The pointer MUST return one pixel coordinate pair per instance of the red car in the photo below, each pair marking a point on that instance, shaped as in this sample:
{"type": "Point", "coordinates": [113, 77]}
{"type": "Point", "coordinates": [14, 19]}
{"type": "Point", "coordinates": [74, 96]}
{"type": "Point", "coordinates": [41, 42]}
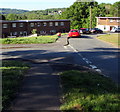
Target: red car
{"type": "Point", "coordinates": [74, 33]}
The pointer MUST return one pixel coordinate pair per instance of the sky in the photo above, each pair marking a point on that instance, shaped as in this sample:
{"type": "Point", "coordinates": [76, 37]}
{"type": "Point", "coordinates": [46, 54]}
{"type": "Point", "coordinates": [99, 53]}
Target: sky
{"type": "Point", "coordinates": [42, 4]}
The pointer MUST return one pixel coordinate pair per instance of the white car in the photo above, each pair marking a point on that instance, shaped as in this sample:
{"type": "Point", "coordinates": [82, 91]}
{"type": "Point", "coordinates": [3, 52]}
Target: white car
{"type": "Point", "coordinates": [114, 29]}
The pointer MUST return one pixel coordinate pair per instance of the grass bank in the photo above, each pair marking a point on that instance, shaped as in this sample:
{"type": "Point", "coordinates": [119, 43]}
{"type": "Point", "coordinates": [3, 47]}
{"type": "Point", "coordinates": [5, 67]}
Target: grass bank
{"type": "Point", "coordinates": [111, 38]}
{"type": "Point", "coordinates": [30, 40]}
{"type": "Point", "coordinates": [12, 75]}
{"type": "Point", "coordinates": [88, 92]}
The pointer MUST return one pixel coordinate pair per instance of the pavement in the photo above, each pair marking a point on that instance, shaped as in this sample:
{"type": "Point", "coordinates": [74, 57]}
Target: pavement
{"type": "Point", "coordinates": [40, 90]}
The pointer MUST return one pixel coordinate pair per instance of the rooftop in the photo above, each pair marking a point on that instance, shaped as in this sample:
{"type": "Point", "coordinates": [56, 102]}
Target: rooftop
{"type": "Point", "coordinates": [35, 20]}
{"type": "Point", "coordinates": [109, 17]}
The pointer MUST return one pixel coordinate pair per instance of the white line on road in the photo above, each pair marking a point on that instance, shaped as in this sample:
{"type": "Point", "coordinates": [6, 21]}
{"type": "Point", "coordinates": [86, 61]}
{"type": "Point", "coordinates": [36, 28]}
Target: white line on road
{"type": "Point", "coordinates": [85, 59]}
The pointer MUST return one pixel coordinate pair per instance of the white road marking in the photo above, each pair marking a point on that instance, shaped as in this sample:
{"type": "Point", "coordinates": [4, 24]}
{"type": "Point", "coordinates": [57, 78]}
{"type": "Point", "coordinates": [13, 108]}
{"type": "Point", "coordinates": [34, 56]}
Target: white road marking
{"type": "Point", "coordinates": [85, 59]}
{"type": "Point", "coordinates": [93, 66]}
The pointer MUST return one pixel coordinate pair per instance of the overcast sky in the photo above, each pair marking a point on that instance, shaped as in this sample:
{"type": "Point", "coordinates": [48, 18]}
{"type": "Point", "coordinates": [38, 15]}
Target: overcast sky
{"type": "Point", "coordinates": [42, 4]}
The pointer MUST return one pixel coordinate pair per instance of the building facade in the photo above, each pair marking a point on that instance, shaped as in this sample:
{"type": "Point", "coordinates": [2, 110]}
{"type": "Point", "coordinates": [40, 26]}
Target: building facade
{"type": "Point", "coordinates": [107, 23]}
{"type": "Point", "coordinates": [25, 27]}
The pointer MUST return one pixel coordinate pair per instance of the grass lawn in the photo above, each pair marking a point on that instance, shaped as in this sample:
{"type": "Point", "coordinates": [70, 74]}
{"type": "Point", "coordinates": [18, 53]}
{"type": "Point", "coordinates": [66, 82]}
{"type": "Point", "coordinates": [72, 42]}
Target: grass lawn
{"type": "Point", "coordinates": [88, 92]}
{"type": "Point", "coordinates": [30, 40]}
{"type": "Point", "coordinates": [12, 75]}
{"type": "Point", "coordinates": [111, 38]}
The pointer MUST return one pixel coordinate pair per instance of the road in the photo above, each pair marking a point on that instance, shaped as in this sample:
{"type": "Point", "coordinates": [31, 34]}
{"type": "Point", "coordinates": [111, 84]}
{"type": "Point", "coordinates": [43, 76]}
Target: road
{"type": "Point", "coordinates": [85, 51]}
{"type": "Point", "coordinates": [98, 55]}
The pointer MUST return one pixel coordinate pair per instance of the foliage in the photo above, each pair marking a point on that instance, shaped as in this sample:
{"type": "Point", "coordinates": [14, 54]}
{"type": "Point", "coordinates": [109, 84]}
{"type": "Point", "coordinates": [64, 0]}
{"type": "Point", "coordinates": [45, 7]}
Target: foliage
{"type": "Point", "coordinates": [12, 11]}
{"type": "Point", "coordinates": [115, 10]}
{"type": "Point", "coordinates": [12, 17]}
{"type": "Point", "coordinates": [34, 31]}
{"type": "Point", "coordinates": [88, 92]}
{"type": "Point", "coordinates": [12, 74]}
{"type": "Point", "coordinates": [2, 17]}
{"type": "Point", "coordinates": [29, 40]}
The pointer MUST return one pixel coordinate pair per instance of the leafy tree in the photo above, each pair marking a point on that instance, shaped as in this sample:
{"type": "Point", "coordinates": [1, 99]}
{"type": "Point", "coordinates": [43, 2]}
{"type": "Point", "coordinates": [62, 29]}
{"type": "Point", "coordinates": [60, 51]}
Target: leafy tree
{"type": "Point", "coordinates": [115, 9]}
{"type": "Point", "coordinates": [2, 17]}
{"type": "Point", "coordinates": [12, 17]}
{"type": "Point", "coordinates": [79, 13]}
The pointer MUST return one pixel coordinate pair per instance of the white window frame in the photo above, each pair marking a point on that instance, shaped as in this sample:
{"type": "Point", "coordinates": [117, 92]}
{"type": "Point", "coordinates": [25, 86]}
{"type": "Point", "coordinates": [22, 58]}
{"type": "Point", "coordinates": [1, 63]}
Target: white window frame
{"type": "Point", "coordinates": [21, 32]}
{"type": "Point", "coordinates": [44, 23]}
{"type": "Point", "coordinates": [5, 25]}
{"type": "Point", "coordinates": [118, 20]}
{"type": "Point", "coordinates": [32, 24]}
{"type": "Point", "coordinates": [50, 23]}
{"type": "Point", "coordinates": [111, 20]}
{"type": "Point", "coordinates": [14, 33]}
{"type": "Point", "coordinates": [56, 24]}
{"type": "Point", "coordinates": [38, 24]}
{"type": "Point", "coordinates": [61, 23]}
{"type": "Point", "coordinates": [14, 25]}
{"type": "Point", "coordinates": [21, 25]}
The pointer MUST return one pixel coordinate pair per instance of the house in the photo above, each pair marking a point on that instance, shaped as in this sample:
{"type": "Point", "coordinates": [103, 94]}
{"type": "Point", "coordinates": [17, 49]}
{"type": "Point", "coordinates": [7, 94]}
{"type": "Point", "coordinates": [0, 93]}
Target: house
{"type": "Point", "coordinates": [24, 27]}
{"type": "Point", "coordinates": [107, 23]}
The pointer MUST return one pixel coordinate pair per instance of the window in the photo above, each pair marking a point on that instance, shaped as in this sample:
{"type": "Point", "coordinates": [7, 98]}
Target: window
{"type": "Point", "coordinates": [31, 24]}
{"type": "Point", "coordinates": [52, 31]}
{"type": "Point", "coordinates": [42, 32]}
{"type": "Point", "coordinates": [5, 25]}
{"type": "Point", "coordinates": [14, 33]}
{"type": "Point", "coordinates": [21, 33]}
{"type": "Point", "coordinates": [13, 25]}
{"type": "Point", "coordinates": [62, 23]}
{"type": "Point", "coordinates": [118, 20]}
{"type": "Point", "coordinates": [51, 24]}
{"type": "Point", "coordinates": [21, 24]}
{"type": "Point", "coordinates": [44, 24]}
{"type": "Point", "coordinates": [38, 24]}
{"type": "Point", "coordinates": [56, 23]}
{"type": "Point", "coordinates": [111, 20]}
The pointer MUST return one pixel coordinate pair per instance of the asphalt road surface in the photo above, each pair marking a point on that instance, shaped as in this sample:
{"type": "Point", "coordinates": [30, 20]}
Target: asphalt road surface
{"type": "Point", "coordinates": [101, 56]}
{"type": "Point", "coordinates": [85, 51]}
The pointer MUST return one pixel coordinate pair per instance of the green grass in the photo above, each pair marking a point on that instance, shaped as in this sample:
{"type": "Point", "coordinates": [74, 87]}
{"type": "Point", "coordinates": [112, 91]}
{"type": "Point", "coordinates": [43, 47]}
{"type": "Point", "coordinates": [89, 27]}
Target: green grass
{"type": "Point", "coordinates": [30, 40]}
{"type": "Point", "coordinates": [88, 92]}
{"type": "Point", "coordinates": [111, 38]}
{"type": "Point", "coordinates": [12, 75]}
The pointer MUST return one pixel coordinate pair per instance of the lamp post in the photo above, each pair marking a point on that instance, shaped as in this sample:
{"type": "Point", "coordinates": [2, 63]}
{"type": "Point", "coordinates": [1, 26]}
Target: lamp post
{"type": "Point", "coordinates": [90, 18]}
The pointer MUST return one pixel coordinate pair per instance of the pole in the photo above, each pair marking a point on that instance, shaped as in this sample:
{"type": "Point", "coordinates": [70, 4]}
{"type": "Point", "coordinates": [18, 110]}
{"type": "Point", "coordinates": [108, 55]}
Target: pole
{"type": "Point", "coordinates": [90, 18]}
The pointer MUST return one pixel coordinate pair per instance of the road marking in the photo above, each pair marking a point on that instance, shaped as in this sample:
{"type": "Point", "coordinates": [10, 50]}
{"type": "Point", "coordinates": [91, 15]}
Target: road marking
{"type": "Point", "coordinates": [65, 47]}
{"type": "Point", "coordinates": [85, 59]}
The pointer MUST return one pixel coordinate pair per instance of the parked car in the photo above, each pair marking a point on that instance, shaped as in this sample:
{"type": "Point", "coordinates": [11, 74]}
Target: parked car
{"type": "Point", "coordinates": [85, 30]}
{"type": "Point", "coordinates": [96, 30]}
{"type": "Point", "coordinates": [114, 29]}
{"type": "Point", "coordinates": [74, 33]}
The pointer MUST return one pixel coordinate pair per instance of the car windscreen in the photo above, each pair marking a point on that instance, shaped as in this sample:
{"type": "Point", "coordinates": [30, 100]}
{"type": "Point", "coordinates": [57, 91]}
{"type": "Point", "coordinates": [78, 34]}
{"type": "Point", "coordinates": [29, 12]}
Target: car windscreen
{"type": "Point", "coordinates": [74, 31]}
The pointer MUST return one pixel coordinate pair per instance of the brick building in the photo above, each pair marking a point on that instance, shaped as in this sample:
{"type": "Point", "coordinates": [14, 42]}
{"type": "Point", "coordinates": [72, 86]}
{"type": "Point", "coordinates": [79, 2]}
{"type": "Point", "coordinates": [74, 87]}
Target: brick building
{"type": "Point", "coordinates": [107, 23]}
{"type": "Point", "coordinates": [25, 27]}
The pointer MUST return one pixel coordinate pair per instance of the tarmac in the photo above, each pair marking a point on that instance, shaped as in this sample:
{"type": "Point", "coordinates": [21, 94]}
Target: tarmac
{"type": "Point", "coordinates": [40, 91]}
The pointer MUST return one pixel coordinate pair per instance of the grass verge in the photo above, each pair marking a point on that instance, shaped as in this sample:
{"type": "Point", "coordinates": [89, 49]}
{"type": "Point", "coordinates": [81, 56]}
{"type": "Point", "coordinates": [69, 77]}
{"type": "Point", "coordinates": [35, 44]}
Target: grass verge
{"type": "Point", "coordinates": [88, 92]}
{"type": "Point", "coordinates": [12, 75]}
{"type": "Point", "coordinates": [111, 38]}
{"type": "Point", "coordinates": [29, 40]}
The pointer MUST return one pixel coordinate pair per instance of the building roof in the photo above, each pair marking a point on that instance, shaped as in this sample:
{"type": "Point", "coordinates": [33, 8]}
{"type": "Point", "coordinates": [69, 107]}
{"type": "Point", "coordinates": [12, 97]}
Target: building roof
{"type": "Point", "coordinates": [109, 17]}
{"type": "Point", "coordinates": [35, 20]}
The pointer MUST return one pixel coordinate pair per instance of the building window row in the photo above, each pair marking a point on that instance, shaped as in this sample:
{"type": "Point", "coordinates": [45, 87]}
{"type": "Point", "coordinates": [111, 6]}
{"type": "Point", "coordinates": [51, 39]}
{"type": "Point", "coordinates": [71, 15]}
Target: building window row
{"type": "Point", "coordinates": [14, 25]}
{"type": "Point", "coordinates": [45, 24]}
{"type": "Point", "coordinates": [112, 20]}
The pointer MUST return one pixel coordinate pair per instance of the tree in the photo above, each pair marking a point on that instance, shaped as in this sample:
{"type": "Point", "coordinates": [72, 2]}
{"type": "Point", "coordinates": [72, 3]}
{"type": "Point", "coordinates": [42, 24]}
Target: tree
{"type": "Point", "coordinates": [2, 17]}
{"type": "Point", "coordinates": [12, 17]}
{"type": "Point", "coordinates": [79, 13]}
{"type": "Point", "coordinates": [115, 9]}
